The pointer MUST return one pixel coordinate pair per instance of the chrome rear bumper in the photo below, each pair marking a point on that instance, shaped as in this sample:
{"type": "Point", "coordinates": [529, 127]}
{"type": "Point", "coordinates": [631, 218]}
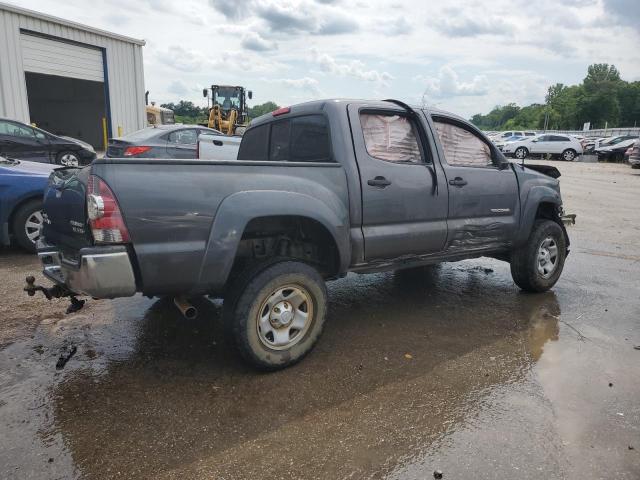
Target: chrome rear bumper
{"type": "Point", "coordinates": [100, 272]}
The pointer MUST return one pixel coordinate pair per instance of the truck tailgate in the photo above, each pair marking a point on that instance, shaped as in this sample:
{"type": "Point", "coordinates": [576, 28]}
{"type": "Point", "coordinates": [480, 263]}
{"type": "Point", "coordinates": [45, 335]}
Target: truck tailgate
{"type": "Point", "coordinates": [65, 215]}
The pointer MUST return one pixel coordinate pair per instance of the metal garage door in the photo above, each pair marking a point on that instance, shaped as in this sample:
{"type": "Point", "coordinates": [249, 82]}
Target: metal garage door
{"type": "Point", "coordinates": [51, 57]}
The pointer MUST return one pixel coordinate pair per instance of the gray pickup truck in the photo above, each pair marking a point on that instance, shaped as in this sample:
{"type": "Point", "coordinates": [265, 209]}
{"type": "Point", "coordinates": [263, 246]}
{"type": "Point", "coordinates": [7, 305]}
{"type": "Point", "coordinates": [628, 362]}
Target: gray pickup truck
{"type": "Point", "coordinates": [318, 190]}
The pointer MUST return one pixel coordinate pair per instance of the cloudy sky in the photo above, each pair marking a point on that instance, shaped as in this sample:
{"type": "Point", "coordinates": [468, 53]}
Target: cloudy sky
{"type": "Point", "coordinates": [463, 56]}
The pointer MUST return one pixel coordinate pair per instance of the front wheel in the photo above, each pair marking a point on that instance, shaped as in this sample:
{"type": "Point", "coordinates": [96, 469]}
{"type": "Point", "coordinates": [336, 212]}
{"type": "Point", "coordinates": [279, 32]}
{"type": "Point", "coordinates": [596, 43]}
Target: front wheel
{"type": "Point", "coordinates": [521, 153]}
{"type": "Point", "coordinates": [277, 315]}
{"type": "Point", "coordinates": [27, 223]}
{"type": "Point", "coordinates": [569, 155]}
{"type": "Point", "coordinates": [536, 266]}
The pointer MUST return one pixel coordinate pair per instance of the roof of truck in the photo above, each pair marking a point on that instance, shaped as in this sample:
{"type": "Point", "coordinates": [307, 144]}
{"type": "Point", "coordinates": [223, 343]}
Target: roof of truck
{"type": "Point", "coordinates": [319, 105]}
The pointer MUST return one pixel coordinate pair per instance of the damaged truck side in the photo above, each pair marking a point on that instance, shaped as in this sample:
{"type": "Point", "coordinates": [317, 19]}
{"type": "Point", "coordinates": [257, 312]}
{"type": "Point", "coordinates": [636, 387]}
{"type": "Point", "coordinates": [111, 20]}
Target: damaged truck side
{"type": "Point", "coordinates": [318, 190]}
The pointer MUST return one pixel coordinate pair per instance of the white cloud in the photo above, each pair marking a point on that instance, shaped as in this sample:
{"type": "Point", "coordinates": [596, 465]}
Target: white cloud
{"type": "Point", "coordinates": [352, 68]}
{"type": "Point", "coordinates": [253, 41]}
{"type": "Point", "coordinates": [448, 84]}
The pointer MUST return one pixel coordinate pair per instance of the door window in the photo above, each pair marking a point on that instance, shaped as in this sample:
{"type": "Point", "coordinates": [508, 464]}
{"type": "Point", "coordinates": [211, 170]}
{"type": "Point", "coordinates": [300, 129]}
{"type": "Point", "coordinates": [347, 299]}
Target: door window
{"type": "Point", "coordinates": [462, 147]}
{"type": "Point", "coordinates": [391, 137]}
{"type": "Point", "coordinates": [183, 137]}
{"type": "Point", "coordinates": [15, 130]}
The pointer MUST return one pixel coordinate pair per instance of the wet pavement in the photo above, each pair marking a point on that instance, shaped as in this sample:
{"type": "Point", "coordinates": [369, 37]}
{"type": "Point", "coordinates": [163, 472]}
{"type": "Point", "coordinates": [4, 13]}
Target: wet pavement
{"type": "Point", "coordinates": [452, 369]}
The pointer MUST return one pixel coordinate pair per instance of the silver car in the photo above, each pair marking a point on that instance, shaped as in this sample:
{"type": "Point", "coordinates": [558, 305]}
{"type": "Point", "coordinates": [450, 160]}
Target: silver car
{"type": "Point", "coordinates": [161, 141]}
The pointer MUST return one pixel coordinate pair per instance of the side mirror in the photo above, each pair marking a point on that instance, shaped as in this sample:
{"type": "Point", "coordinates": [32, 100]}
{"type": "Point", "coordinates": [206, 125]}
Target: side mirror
{"type": "Point", "coordinates": [205, 92]}
{"type": "Point", "coordinates": [535, 140]}
{"type": "Point", "coordinates": [250, 94]}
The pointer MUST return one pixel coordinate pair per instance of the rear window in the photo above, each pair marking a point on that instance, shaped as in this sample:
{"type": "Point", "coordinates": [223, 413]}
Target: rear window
{"type": "Point", "coordinates": [298, 139]}
{"type": "Point", "coordinates": [255, 144]}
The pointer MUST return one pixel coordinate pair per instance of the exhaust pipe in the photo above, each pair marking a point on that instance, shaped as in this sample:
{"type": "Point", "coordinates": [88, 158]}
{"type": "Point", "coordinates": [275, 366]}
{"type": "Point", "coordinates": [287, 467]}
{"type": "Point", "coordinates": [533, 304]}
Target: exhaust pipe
{"type": "Point", "coordinates": [188, 311]}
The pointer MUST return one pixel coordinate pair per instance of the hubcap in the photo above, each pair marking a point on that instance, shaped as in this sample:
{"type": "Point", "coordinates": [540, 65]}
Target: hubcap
{"type": "Point", "coordinates": [32, 226]}
{"type": "Point", "coordinates": [69, 160]}
{"type": "Point", "coordinates": [284, 317]}
{"type": "Point", "coordinates": [547, 257]}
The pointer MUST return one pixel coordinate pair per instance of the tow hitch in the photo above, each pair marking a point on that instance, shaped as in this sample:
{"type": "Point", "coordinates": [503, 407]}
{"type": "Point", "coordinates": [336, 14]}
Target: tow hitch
{"type": "Point", "coordinates": [57, 291]}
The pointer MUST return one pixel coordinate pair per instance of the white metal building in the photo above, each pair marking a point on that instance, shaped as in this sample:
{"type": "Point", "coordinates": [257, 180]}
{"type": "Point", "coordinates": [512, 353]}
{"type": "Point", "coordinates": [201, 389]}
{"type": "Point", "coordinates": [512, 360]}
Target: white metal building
{"type": "Point", "coordinates": [68, 78]}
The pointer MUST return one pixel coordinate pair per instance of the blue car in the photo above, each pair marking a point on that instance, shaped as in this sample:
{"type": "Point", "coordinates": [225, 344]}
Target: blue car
{"type": "Point", "coordinates": [22, 186]}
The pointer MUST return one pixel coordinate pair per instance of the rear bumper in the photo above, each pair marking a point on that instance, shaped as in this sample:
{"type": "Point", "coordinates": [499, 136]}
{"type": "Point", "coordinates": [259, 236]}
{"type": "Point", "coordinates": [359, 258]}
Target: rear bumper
{"type": "Point", "coordinates": [100, 272]}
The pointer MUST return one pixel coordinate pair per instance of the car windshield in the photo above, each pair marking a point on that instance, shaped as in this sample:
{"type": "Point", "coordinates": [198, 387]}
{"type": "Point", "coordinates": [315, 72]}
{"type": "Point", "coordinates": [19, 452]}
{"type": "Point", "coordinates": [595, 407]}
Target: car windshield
{"type": "Point", "coordinates": [228, 97]}
{"type": "Point", "coordinates": [9, 161]}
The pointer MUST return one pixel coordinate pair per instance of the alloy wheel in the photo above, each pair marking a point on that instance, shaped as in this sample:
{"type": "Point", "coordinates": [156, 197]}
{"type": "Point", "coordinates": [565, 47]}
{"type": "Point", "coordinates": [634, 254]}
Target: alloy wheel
{"type": "Point", "coordinates": [33, 225]}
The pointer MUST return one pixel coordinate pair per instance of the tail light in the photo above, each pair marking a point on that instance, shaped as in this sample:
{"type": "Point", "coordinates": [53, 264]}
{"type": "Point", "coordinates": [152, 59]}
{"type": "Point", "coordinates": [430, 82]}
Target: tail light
{"type": "Point", "coordinates": [105, 219]}
{"type": "Point", "coordinates": [134, 151]}
{"type": "Point", "coordinates": [280, 111]}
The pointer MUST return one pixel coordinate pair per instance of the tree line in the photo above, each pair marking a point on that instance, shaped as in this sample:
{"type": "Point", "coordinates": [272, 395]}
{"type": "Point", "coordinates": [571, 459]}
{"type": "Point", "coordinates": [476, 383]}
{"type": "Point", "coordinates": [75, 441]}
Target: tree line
{"type": "Point", "coordinates": [603, 99]}
{"type": "Point", "coordinates": [187, 112]}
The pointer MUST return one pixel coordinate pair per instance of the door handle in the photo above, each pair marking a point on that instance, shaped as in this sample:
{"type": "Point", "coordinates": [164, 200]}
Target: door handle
{"type": "Point", "coordinates": [379, 182]}
{"type": "Point", "coordinates": [217, 142]}
{"type": "Point", "coordinates": [458, 182]}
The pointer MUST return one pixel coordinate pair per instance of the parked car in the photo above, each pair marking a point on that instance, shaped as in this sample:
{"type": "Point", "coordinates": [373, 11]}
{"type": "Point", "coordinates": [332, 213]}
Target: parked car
{"type": "Point", "coordinates": [615, 150]}
{"type": "Point", "coordinates": [24, 142]}
{"type": "Point", "coordinates": [565, 147]}
{"type": "Point", "coordinates": [634, 156]}
{"type": "Point", "coordinates": [160, 141]}
{"type": "Point", "coordinates": [318, 190]}
{"type": "Point", "coordinates": [217, 147]}
{"type": "Point", "coordinates": [22, 185]}
{"type": "Point", "coordinates": [504, 135]}
{"type": "Point", "coordinates": [514, 138]}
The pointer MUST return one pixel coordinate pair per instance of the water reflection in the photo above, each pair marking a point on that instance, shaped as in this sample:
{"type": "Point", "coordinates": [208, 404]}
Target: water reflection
{"type": "Point", "coordinates": [403, 361]}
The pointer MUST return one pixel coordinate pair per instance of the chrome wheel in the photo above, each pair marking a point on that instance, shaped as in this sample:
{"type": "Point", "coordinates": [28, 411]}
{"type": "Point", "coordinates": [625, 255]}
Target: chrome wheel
{"type": "Point", "coordinates": [33, 225]}
{"type": "Point", "coordinates": [520, 153]}
{"type": "Point", "coordinates": [284, 317]}
{"type": "Point", "coordinates": [547, 257]}
{"type": "Point", "coordinates": [69, 160]}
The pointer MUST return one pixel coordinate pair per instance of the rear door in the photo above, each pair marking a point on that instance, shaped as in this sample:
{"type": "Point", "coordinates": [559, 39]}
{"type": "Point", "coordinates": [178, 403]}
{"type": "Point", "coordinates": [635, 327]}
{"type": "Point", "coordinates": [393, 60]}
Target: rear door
{"type": "Point", "coordinates": [403, 213]}
{"type": "Point", "coordinates": [483, 199]}
{"type": "Point", "coordinates": [542, 144]}
{"type": "Point", "coordinates": [182, 143]}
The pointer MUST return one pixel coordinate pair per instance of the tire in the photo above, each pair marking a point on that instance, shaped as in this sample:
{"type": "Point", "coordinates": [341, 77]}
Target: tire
{"type": "Point", "coordinates": [68, 159]}
{"type": "Point", "coordinates": [261, 314]}
{"type": "Point", "coordinates": [569, 155]}
{"type": "Point", "coordinates": [521, 153]}
{"type": "Point", "coordinates": [527, 269]}
{"type": "Point", "coordinates": [26, 224]}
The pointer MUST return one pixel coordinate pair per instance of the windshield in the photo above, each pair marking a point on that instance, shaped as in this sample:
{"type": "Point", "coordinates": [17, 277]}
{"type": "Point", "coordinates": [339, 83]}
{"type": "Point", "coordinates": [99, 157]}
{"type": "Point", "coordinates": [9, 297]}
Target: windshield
{"type": "Point", "coordinates": [9, 161]}
{"type": "Point", "coordinates": [167, 118]}
{"type": "Point", "coordinates": [228, 97]}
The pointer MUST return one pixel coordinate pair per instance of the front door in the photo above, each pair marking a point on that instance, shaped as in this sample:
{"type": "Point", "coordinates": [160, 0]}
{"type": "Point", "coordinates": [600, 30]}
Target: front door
{"type": "Point", "coordinates": [483, 199]}
{"type": "Point", "coordinates": [403, 213]}
{"type": "Point", "coordinates": [20, 141]}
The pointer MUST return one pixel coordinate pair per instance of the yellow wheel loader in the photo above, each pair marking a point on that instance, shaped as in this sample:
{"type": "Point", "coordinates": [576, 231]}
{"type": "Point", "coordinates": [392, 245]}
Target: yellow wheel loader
{"type": "Point", "coordinates": [228, 112]}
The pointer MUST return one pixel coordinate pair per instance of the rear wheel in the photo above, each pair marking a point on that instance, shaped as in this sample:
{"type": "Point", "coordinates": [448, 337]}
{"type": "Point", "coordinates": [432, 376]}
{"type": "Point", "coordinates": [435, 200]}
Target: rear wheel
{"type": "Point", "coordinates": [569, 155]}
{"type": "Point", "coordinates": [277, 315]}
{"type": "Point", "coordinates": [521, 153]}
{"type": "Point", "coordinates": [27, 222]}
{"type": "Point", "coordinates": [68, 159]}
{"type": "Point", "coordinates": [536, 266]}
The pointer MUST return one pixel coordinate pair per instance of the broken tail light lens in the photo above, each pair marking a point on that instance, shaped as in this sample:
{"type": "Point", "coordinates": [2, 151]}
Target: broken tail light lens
{"type": "Point", "coordinates": [135, 151]}
{"type": "Point", "coordinates": [105, 218]}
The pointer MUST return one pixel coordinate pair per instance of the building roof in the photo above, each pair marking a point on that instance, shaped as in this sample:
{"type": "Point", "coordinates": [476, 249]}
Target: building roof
{"type": "Point", "coordinates": [68, 23]}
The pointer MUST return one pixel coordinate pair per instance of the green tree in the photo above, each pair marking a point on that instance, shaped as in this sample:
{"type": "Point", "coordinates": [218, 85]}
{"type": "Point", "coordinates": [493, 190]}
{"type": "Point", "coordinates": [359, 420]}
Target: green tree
{"type": "Point", "coordinates": [261, 109]}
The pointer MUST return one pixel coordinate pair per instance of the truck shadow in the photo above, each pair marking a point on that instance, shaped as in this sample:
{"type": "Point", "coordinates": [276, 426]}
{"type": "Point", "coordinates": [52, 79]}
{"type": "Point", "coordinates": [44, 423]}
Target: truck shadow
{"type": "Point", "coordinates": [405, 356]}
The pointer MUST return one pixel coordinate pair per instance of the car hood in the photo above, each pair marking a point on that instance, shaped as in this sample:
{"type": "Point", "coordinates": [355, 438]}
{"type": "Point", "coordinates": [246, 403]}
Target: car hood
{"type": "Point", "coordinates": [32, 168]}
{"type": "Point", "coordinates": [84, 145]}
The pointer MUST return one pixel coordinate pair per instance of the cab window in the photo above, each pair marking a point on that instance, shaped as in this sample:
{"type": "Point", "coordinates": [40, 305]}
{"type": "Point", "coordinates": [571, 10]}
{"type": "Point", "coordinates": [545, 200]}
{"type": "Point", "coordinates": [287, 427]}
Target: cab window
{"type": "Point", "coordinates": [391, 137]}
{"type": "Point", "coordinates": [462, 147]}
